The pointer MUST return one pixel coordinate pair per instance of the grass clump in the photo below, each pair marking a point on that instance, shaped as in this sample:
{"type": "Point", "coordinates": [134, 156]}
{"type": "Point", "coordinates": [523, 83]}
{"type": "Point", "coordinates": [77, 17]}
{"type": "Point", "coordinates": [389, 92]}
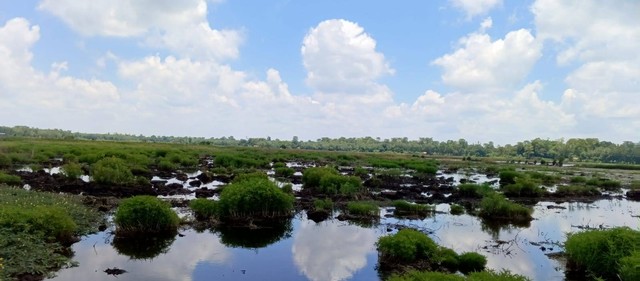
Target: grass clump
{"type": "Point", "coordinates": [145, 214]}
{"type": "Point", "coordinates": [284, 172]}
{"type": "Point", "coordinates": [523, 186]}
{"type": "Point", "coordinates": [36, 229]}
{"type": "Point", "coordinates": [601, 252]}
{"type": "Point", "coordinates": [473, 190]}
{"type": "Point", "coordinates": [406, 246]}
{"type": "Point", "coordinates": [328, 181]}
{"type": "Point", "coordinates": [605, 184]}
{"type": "Point", "coordinates": [10, 179]}
{"type": "Point", "coordinates": [72, 170]}
{"type": "Point", "coordinates": [5, 161]}
{"type": "Point", "coordinates": [471, 262]}
{"type": "Point", "coordinates": [578, 179]}
{"type": "Point", "coordinates": [363, 209]}
{"type": "Point", "coordinates": [254, 197]}
{"type": "Point", "coordinates": [406, 208]}
{"type": "Point", "coordinates": [204, 209]}
{"type": "Point", "coordinates": [456, 209]}
{"type": "Point", "coordinates": [474, 276]}
{"type": "Point", "coordinates": [112, 171]}
{"type": "Point", "coordinates": [630, 267]}
{"type": "Point", "coordinates": [497, 207]}
{"type": "Point", "coordinates": [634, 185]}
{"type": "Point", "coordinates": [508, 177]}
{"type": "Point", "coordinates": [323, 204]}
{"type": "Point", "coordinates": [577, 190]}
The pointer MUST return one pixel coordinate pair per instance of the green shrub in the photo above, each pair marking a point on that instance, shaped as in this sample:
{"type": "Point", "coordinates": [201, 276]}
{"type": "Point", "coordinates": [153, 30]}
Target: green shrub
{"type": "Point", "coordinates": [630, 267]}
{"type": "Point", "coordinates": [204, 209]}
{"type": "Point", "coordinates": [496, 206]}
{"type": "Point", "coordinates": [51, 222]}
{"type": "Point", "coordinates": [112, 171]}
{"type": "Point", "coordinates": [284, 172]}
{"type": "Point", "coordinates": [523, 187]}
{"type": "Point", "coordinates": [508, 177]}
{"type": "Point", "coordinates": [10, 179]}
{"type": "Point", "coordinates": [145, 214]}
{"type": "Point", "coordinates": [287, 188]}
{"type": "Point", "coordinates": [404, 207]}
{"type": "Point", "coordinates": [578, 179]}
{"type": "Point", "coordinates": [470, 262]}
{"type": "Point", "coordinates": [167, 165]}
{"type": "Point", "coordinates": [456, 209]}
{"type": "Point", "coordinates": [600, 251]}
{"type": "Point", "coordinates": [474, 190]}
{"type": "Point", "coordinates": [367, 209]}
{"type": "Point", "coordinates": [474, 276]}
{"type": "Point", "coordinates": [448, 259]}
{"type": "Point", "coordinates": [408, 245]}
{"type": "Point", "coordinates": [72, 170]}
{"type": "Point", "coordinates": [311, 176]}
{"type": "Point", "coordinates": [279, 165]}
{"type": "Point", "coordinates": [577, 190]}
{"type": "Point", "coordinates": [545, 178]}
{"type": "Point", "coordinates": [323, 204]}
{"type": "Point", "coordinates": [254, 197]}
{"type": "Point", "coordinates": [5, 161]}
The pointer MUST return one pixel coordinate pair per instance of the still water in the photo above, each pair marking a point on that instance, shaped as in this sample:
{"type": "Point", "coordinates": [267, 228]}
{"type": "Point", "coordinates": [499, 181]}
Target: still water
{"type": "Point", "coordinates": [334, 250]}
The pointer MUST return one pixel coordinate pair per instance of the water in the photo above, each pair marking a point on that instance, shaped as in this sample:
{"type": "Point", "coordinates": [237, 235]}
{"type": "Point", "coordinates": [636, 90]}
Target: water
{"type": "Point", "coordinates": [335, 250]}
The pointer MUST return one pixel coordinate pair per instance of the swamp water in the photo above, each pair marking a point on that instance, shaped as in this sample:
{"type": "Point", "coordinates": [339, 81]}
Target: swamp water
{"type": "Point", "coordinates": [336, 250]}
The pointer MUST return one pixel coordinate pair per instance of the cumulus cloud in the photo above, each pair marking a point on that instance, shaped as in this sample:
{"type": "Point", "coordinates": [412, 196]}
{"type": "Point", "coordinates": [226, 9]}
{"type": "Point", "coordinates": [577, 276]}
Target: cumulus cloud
{"type": "Point", "coordinates": [480, 63]}
{"type": "Point", "coordinates": [180, 26]}
{"type": "Point", "coordinates": [475, 7]}
{"type": "Point", "coordinates": [341, 58]}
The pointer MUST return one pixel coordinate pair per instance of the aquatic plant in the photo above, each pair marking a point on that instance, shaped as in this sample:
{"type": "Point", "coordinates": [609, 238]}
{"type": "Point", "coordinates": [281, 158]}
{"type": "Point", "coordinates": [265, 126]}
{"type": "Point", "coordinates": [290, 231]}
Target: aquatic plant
{"type": "Point", "coordinates": [504, 275]}
{"type": "Point", "coordinates": [204, 209]}
{"type": "Point", "coordinates": [470, 262]}
{"type": "Point", "coordinates": [145, 214]}
{"type": "Point", "coordinates": [496, 206]}
{"type": "Point", "coordinates": [254, 197]}
{"type": "Point", "coordinates": [323, 204]}
{"type": "Point", "coordinates": [405, 208]}
{"type": "Point", "coordinates": [363, 209]}
{"type": "Point", "coordinates": [474, 190]}
{"type": "Point", "coordinates": [456, 209]}
{"type": "Point", "coordinates": [406, 246]}
{"type": "Point", "coordinates": [600, 252]}
{"type": "Point", "coordinates": [112, 170]}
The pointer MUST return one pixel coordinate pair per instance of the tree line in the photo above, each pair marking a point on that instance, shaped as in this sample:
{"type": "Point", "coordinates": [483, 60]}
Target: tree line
{"type": "Point", "coordinates": [574, 149]}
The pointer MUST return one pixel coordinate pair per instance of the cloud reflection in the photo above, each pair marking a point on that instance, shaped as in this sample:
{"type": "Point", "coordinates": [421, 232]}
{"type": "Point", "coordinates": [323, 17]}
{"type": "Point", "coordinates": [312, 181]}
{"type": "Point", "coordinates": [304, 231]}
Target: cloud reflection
{"type": "Point", "coordinates": [332, 250]}
{"type": "Point", "coordinates": [178, 263]}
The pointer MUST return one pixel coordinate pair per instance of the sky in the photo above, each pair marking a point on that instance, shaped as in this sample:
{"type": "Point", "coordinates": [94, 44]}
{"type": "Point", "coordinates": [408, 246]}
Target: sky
{"type": "Point", "coordinates": [482, 70]}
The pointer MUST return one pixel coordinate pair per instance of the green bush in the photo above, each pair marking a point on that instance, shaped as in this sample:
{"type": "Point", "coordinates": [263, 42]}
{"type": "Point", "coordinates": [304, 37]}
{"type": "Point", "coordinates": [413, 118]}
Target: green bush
{"type": "Point", "coordinates": [323, 204]}
{"type": "Point", "coordinates": [601, 251]}
{"type": "Point", "coordinates": [496, 206]}
{"type": "Point", "coordinates": [456, 209]}
{"type": "Point", "coordinates": [51, 222]}
{"type": "Point", "coordinates": [470, 262]}
{"type": "Point", "coordinates": [630, 267]}
{"type": "Point", "coordinates": [72, 170]}
{"type": "Point", "coordinates": [577, 190]}
{"type": "Point", "coordinates": [408, 245]}
{"type": "Point", "coordinates": [9, 179]}
{"type": "Point", "coordinates": [145, 214]}
{"type": "Point", "coordinates": [5, 161]}
{"type": "Point", "coordinates": [311, 176]}
{"type": "Point", "coordinates": [474, 276]}
{"type": "Point", "coordinates": [254, 197]}
{"type": "Point", "coordinates": [523, 187]}
{"type": "Point", "coordinates": [366, 209]}
{"type": "Point", "coordinates": [404, 207]}
{"type": "Point", "coordinates": [112, 171]}
{"type": "Point", "coordinates": [204, 209]}
{"type": "Point", "coordinates": [474, 190]}
{"type": "Point", "coordinates": [448, 259]}
{"type": "Point", "coordinates": [284, 172]}
{"type": "Point", "coordinates": [508, 177]}
{"type": "Point", "coordinates": [578, 179]}
{"type": "Point", "coordinates": [167, 165]}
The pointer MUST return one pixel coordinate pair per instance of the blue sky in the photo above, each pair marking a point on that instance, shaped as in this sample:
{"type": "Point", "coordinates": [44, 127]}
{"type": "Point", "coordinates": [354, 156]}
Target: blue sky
{"type": "Point", "coordinates": [485, 70]}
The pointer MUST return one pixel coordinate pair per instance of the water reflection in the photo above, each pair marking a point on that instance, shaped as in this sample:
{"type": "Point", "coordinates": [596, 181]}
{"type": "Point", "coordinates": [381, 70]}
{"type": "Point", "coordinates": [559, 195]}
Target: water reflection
{"type": "Point", "coordinates": [263, 236]}
{"type": "Point", "coordinates": [95, 254]}
{"type": "Point", "coordinates": [332, 250]}
{"type": "Point", "coordinates": [144, 247]}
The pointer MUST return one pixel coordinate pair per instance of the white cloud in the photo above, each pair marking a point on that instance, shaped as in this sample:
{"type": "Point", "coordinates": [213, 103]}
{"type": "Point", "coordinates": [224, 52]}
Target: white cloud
{"type": "Point", "coordinates": [475, 7]}
{"type": "Point", "coordinates": [341, 58]}
{"type": "Point", "coordinates": [482, 64]}
{"type": "Point", "coordinates": [180, 26]}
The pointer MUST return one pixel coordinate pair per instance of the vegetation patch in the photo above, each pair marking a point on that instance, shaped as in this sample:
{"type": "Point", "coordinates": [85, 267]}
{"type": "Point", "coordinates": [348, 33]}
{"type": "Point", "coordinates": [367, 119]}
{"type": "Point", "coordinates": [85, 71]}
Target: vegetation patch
{"type": "Point", "coordinates": [523, 187]}
{"type": "Point", "coordinates": [363, 209]}
{"type": "Point", "coordinates": [474, 276]}
{"type": "Point", "coordinates": [472, 190]}
{"type": "Point", "coordinates": [36, 229]}
{"type": "Point", "coordinates": [603, 252]}
{"type": "Point", "coordinates": [497, 207]}
{"type": "Point", "coordinates": [254, 197]}
{"type": "Point", "coordinates": [328, 181]}
{"type": "Point", "coordinates": [145, 214]}
{"type": "Point", "coordinates": [456, 209]}
{"type": "Point", "coordinates": [471, 262]}
{"type": "Point", "coordinates": [404, 208]}
{"type": "Point", "coordinates": [577, 190]}
{"type": "Point", "coordinates": [112, 170]}
{"type": "Point", "coordinates": [204, 209]}
{"type": "Point", "coordinates": [323, 204]}
{"type": "Point", "coordinates": [10, 179]}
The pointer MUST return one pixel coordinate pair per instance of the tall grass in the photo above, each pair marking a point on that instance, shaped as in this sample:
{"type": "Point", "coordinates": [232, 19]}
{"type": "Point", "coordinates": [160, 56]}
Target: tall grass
{"type": "Point", "coordinates": [145, 214]}
{"type": "Point", "coordinates": [496, 207]}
